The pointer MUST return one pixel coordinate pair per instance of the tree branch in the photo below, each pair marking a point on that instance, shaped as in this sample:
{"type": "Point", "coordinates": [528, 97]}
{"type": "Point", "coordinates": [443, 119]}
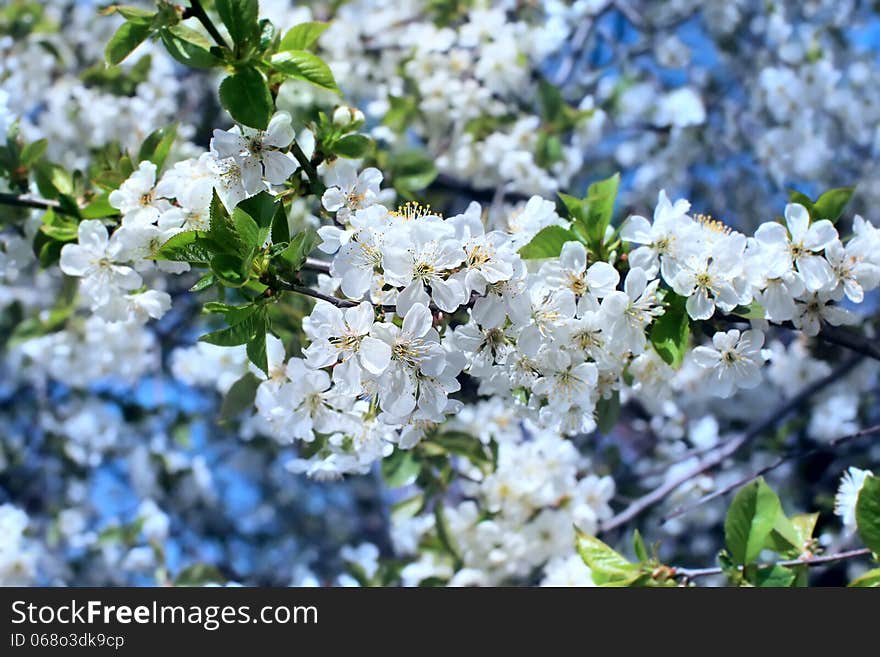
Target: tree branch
{"type": "Point", "coordinates": [197, 11]}
{"type": "Point", "coordinates": [681, 510]}
{"type": "Point", "coordinates": [726, 449]}
{"type": "Point", "coordinates": [27, 201]}
{"type": "Point", "coordinates": [317, 265]}
{"type": "Point", "coordinates": [693, 573]}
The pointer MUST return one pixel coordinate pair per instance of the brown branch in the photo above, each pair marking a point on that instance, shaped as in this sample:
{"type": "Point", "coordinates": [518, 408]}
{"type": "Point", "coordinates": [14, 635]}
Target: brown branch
{"type": "Point", "coordinates": [693, 573]}
{"type": "Point", "coordinates": [681, 510]}
{"type": "Point", "coordinates": [27, 201]}
{"type": "Point", "coordinates": [726, 449]}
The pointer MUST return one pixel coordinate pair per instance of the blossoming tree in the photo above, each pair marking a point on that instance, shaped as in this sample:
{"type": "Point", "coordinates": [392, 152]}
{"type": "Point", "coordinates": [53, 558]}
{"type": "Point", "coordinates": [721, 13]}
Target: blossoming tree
{"type": "Point", "coordinates": [527, 372]}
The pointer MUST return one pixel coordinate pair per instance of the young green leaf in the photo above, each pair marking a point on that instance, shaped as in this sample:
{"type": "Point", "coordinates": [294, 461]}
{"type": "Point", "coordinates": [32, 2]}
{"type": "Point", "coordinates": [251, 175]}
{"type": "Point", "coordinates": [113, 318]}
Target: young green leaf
{"type": "Point", "coordinates": [246, 97]}
{"type": "Point", "coordinates": [353, 146]}
{"type": "Point", "coordinates": [222, 231]}
{"type": "Point", "coordinates": [280, 225]}
{"type": "Point", "coordinates": [750, 519]}
{"type": "Point", "coordinates": [188, 47]}
{"type": "Point", "coordinates": [157, 145]}
{"type": "Point", "coordinates": [304, 65]}
{"type": "Point", "coordinates": [607, 413]}
{"type": "Point", "coordinates": [248, 230]}
{"type": "Point", "coordinates": [230, 269]}
{"type": "Point", "coordinates": [256, 348]}
{"type": "Point", "coordinates": [412, 170]}
{"type": "Point", "coordinates": [241, 18]}
{"type": "Point", "coordinates": [639, 547]}
{"type": "Point", "coordinates": [188, 246]}
{"type": "Point", "coordinates": [670, 333]}
{"type": "Point", "coordinates": [868, 513]}
{"type": "Point", "coordinates": [302, 36]}
{"type": "Point", "coordinates": [128, 37]}
{"type": "Point", "coordinates": [774, 576]}
{"type": "Point", "coordinates": [400, 469]}
{"type": "Point", "coordinates": [261, 208]}
{"type": "Point", "coordinates": [294, 256]}
{"type": "Point", "coordinates": [547, 243]}
{"type": "Point", "coordinates": [247, 322]}
{"type": "Point", "coordinates": [870, 579]}
{"type": "Point", "coordinates": [33, 152]}
{"type": "Point", "coordinates": [600, 208]}
{"type": "Point", "coordinates": [199, 574]}
{"type": "Point", "coordinates": [830, 205]}
{"type": "Point", "coordinates": [607, 565]}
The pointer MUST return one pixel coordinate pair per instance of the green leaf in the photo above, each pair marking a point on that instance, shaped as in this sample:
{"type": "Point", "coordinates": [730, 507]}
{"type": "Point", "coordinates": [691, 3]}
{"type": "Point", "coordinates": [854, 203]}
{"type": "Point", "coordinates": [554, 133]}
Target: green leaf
{"type": "Point", "coordinates": [246, 97]}
{"type": "Point", "coordinates": [353, 146]}
{"type": "Point", "coordinates": [241, 18]}
{"type": "Point", "coordinates": [750, 519]}
{"type": "Point", "coordinates": [188, 246]}
{"type": "Point", "coordinates": [230, 269]}
{"type": "Point", "coordinates": [280, 226]}
{"type": "Point", "coordinates": [206, 281]}
{"type": "Point", "coordinates": [639, 547]}
{"type": "Point", "coordinates": [256, 349]}
{"type": "Point", "coordinates": [600, 208]}
{"type": "Point", "coordinates": [462, 444]}
{"type": "Point", "coordinates": [248, 322]}
{"type": "Point", "coordinates": [99, 207]}
{"type": "Point", "coordinates": [445, 536]}
{"type": "Point", "coordinates": [801, 199]}
{"type": "Point", "coordinates": [607, 412]}
{"type": "Point", "coordinates": [830, 205]}
{"type": "Point", "coordinates": [774, 576]}
{"type": "Point", "coordinates": [294, 256]}
{"type": "Point", "coordinates": [304, 65]}
{"type": "Point", "coordinates": [412, 170]}
{"type": "Point", "coordinates": [400, 469]}
{"type": "Point", "coordinates": [608, 566]}
{"type": "Point", "coordinates": [59, 226]}
{"type": "Point", "coordinates": [222, 231]}
{"type": "Point", "coordinates": [157, 145]}
{"type": "Point", "coordinates": [868, 513]}
{"type": "Point", "coordinates": [551, 102]}
{"type": "Point", "coordinates": [261, 208]}
{"type": "Point", "coordinates": [547, 243]}
{"type": "Point", "coordinates": [753, 311]}
{"type": "Point", "coordinates": [33, 152]}
{"type": "Point", "coordinates": [302, 36]}
{"type": "Point", "coordinates": [128, 37]}
{"type": "Point", "coordinates": [870, 579]}
{"type": "Point", "coordinates": [199, 575]}
{"type": "Point", "coordinates": [133, 14]}
{"type": "Point", "coordinates": [248, 230]}
{"type": "Point", "coordinates": [188, 47]}
{"type": "Point", "coordinates": [400, 113]}
{"type": "Point", "coordinates": [671, 331]}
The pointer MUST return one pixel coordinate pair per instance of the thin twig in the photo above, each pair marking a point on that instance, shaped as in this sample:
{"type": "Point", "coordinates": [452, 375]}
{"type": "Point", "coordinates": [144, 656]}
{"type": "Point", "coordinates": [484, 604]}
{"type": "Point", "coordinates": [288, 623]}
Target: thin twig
{"type": "Point", "coordinates": [307, 166]}
{"type": "Point", "coordinates": [727, 449]}
{"type": "Point", "coordinates": [198, 12]}
{"type": "Point", "coordinates": [566, 68]}
{"type": "Point", "coordinates": [27, 201]}
{"type": "Point", "coordinates": [309, 292]}
{"type": "Point", "coordinates": [693, 573]}
{"type": "Point", "coordinates": [785, 458]}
